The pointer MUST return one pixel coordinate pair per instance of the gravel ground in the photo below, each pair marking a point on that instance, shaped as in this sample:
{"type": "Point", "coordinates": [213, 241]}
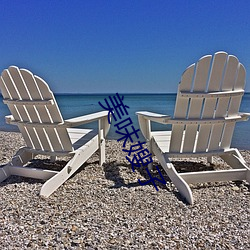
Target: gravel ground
{"type": "Point", "coordinates": [106, 208]}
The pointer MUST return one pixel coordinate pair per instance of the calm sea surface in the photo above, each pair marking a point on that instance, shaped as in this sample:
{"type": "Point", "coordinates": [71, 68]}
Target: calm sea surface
{"type": "Point", "coordinates": [77, 105]}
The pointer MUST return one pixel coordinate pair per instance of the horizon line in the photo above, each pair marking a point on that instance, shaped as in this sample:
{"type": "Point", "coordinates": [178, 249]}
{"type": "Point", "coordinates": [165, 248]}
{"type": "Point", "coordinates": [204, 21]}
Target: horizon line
{"type": "Point", "coordinates": [123, 93]}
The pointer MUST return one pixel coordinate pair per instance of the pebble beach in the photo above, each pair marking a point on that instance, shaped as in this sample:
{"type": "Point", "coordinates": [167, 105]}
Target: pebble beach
{"type": "Point", "coordinates": [104, 207]}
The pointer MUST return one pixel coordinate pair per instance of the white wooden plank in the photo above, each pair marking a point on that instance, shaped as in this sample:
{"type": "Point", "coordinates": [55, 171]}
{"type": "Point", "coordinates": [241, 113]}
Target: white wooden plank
{"type": "Point", "coordinates": [214, 83]}
{"type": "Point", "coordinates": [24, 86]}
{"type": "Point", "coordinates": [189, 139]}
{"type": "Point", "coordinates": [35, 173]}
{"type": "Point", "coordinates": [59, 138]}
{"type": "Point", "coordinates": [215, 175]}
{"type": "Point", "coordinates": [9, 85]}
{"type": "Point", "coordinates": [44, 140]}
{"type": "Point", "coordinates": [187, 78]}
{"type": "Point", "coordinates": [227, 135]}
{"type": "Point", "coordinates": [223, 104]}
{"type": "Point", "coordinates": [163, 140]}
{"type": "Point", "coordinates": [201, 74]}
{"type": "Point", "coordinates": [30, 114]}
{"type": "Point", "coordinates": [162, 134]}
{"type": "Point", "coordinates": [163, 145]}
{"type": "Point", "coordinates": [55, 142]}
{"type": "Point", "coordinates": [222, 107]}
{"type": "Point", "coordinates": [215, 137]}
{"type": "Point", "coordinates": [48, 137]}
{"type": "Point", "coordinates": [6, 95]}
{"type": "Point", "coordinates": [176, 138]}
{"type": "Point", "coordinates": [37, 134]}
{"type": "Point", "coordinates": [76, 133]}
{"type": "Point", "coordinates": [203, 138]}
{"type": "Point", "coordinates": [181, 108]}
{"type": "Point", "coordinates": [241, 78]}
{"type": "Point", "coordinates": [19, 83]}
{"type": "Point", "coordinates": [239, 85]}
{"type": "Point", "coordinates": [234, 105]}
{"type": "Point", "coordinates": [217, 70]}
{"type": "Point", "coordinates": [31, 85]}
{"type": "Point", "coordinates": [196, 103]}
{"type": "Point", "coordinates": [230, 73]}
{"type": "Point", "coordinates": [23, 93]}
{"type": "Point", "coordinates": [19, 112]}
{"type": "Point", "coordinates": [212, 94]}
{"type": "Point", "coordinates": [195, 108]}
{"type": "Point", "coordinates": [64, 139]}
{"type": "Point", "coordinates": [217, 129]}
{"type": "Point", "coordinates": [35, 137]}
{"type": "Point", "coordinates": [209, 108]}
{"type": "Point", "coordinates": [35, 95]}
{"type": "Point", "coordinates": [26, 136]}
{"type": "Point", "coordinates": [181, 105]}
{"type": "Point", "coordinates": [47, 94]}
{"type": "Point", "coordinates": [4, 90]}
{"type": "Point", "coordinates": [82, 137]}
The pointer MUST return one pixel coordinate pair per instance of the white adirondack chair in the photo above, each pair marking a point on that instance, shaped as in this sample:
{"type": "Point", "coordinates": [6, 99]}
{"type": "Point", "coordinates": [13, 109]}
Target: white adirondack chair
{"type": "Point", "coordinates": [206, 110]}
{"type": "Point", "coordinates": [35, 112]}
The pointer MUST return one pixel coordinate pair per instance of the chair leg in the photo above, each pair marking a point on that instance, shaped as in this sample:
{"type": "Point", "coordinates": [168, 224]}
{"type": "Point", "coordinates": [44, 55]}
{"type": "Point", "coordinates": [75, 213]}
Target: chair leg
{"type": "Point", "coordinates": [234, 159]}
{"type": "Point", "coordinates": [169, 168]}
{"type": "Point", "coordinates": [102, 151]}
{"type": "Point", "coordinates": [149, 145]}
{"type": "Point", "coordinates": [180, 184]}
{"type": "Point", "coordinates": [150, 166]}
{"type": "Point", "coordinates": [22, 157]}
{"type": "Point", "coordinates": [53, 158]}
{"type": "Point", "coordinates": [81, 156]}
{"type": "Point", "coordinates": [19, 159]}
{"type": "Point", "coordinates": [103, 129]}
{"type": "Point", "coordinates": [210, 159]}
{"type": "Point", "coordinates": [4, 172]}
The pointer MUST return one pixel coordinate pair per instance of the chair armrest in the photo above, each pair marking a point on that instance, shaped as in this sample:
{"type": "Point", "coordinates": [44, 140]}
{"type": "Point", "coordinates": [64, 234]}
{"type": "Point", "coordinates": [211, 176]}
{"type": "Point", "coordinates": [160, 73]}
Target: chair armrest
{"type": "Point", "coordinates": [244, 115]}
{"type": "Point", "coordinates": [102, 117]}
{"type": "Point", "coordinates": [77, 121]}
{"type": "Point", "coordinates": [9, 119]}
{"type": "Point", "coordinates": [154, 117]}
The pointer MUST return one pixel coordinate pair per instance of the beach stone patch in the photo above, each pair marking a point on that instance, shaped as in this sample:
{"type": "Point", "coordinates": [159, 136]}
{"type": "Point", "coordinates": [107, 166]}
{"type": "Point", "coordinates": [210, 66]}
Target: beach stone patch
{"type": "Point", "coordinates": [104, 207]}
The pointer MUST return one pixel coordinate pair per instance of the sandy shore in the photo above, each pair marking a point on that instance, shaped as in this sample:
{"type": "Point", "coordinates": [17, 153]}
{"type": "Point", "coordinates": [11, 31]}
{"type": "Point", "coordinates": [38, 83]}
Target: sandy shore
{"type": "Point", "coordinates": [106, 208]}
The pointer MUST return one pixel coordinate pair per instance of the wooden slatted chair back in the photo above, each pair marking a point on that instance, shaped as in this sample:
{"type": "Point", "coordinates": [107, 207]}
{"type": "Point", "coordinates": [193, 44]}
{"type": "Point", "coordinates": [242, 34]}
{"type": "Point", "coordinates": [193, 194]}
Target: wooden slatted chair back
{"type": "Point", "coordinates": [209, 90]}
{"type": "Point", "coordinates": [35, 111]}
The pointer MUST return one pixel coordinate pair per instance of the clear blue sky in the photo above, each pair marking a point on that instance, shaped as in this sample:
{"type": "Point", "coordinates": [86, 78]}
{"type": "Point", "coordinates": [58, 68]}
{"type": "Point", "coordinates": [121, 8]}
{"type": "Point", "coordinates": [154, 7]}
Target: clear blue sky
{"type": "Point", "coordinates": [108, 46]}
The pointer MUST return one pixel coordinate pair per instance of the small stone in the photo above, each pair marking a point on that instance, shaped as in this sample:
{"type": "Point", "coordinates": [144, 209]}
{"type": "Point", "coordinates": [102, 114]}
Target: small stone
{"type": "Point", "coordinates": [235, 188]}
{"type": "Point", "coordinates": [76, 241]}
{"type": "Point", "coordinates": [74, 228]}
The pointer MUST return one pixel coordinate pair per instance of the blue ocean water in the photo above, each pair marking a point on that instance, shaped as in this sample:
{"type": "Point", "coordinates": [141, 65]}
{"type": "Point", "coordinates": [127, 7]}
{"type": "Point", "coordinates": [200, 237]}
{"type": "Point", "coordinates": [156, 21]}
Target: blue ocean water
{"type": "Point", "coordinates": [81, 104]}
